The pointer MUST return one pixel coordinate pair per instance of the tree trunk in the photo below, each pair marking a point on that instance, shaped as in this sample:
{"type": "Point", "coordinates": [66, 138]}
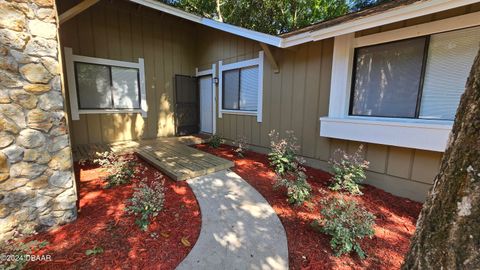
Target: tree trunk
{"type": "Point", "coordinates": [448, 229]}
{"type": "Point", "coordinates": [219, 11]}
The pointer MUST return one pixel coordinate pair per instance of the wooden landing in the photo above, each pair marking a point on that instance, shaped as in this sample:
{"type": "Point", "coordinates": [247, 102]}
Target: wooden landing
{"type": "Point", "coordinates": [181, 162]}
{"type": "Point", "coordinates": [88, 151]}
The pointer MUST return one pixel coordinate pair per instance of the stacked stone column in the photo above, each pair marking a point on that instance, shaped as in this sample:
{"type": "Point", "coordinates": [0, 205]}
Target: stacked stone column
{"type": "Point", "coordinates": [37, 188]}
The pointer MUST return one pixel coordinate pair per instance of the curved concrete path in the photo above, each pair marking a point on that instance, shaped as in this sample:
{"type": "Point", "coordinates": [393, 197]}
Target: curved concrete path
{"type": "Point", "coordinates": [240, 230]}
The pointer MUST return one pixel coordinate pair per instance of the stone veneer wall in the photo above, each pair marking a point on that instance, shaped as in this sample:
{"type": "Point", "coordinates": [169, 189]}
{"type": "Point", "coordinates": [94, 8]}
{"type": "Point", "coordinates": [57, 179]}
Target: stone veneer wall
{"type": "Point", "coordinates": [37, 185]}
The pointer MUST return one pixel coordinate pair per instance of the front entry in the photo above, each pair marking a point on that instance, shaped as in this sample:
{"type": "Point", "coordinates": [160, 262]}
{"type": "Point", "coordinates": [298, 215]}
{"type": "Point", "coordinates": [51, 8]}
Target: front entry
{"type": "Point", "coordinates": [186, 105]}
{"type": "Point", "coordinates": [206, 104]}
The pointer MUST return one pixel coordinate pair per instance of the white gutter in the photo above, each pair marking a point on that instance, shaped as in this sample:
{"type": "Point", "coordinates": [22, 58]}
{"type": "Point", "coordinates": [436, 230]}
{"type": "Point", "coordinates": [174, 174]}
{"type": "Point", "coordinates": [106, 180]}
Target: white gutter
{"type": "Point", "coordinates": [401, 13]}
{"type": "Point", "coordinates": [168, 9]}
{"type": "Point", "coordinates": [240, 31]}
{"type": "Point", "coordinates": [236, 30]}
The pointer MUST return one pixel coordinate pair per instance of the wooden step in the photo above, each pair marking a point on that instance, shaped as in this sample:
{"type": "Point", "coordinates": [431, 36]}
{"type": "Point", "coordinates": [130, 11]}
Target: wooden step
{"type": "Point", "coordinates": [181, 162]}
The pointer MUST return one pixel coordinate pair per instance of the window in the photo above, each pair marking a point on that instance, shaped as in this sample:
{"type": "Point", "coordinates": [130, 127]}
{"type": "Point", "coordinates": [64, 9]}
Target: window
{"type": "Point", "coordinates": [241, 87]}
{"type": "Point", "coordinates": [421, 77]}
{"type": "Point", "coordinates": [401, 87]}
{"type": "Point", "coordinates": [381, 73]}
{"type": "Point", "coordinates": [99, 85]}
{"type": "Point", "coordinates": [450, 58]}
{"type": "Point", "coordinates": [107, 87]}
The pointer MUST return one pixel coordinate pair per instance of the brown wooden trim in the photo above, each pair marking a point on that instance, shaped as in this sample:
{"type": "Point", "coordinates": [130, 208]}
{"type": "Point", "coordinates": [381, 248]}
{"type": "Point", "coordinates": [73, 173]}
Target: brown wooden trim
{"type": "Point", "coordinates": [77, 9]}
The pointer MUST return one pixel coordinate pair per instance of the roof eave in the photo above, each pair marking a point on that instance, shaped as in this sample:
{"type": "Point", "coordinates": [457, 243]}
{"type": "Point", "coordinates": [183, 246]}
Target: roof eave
{"type": "Point", "coordinates": [393, 15]}
{"type": "Point", "coordinates": [236, 30]}
{"type": "Point", "coordinates": [413, 10]}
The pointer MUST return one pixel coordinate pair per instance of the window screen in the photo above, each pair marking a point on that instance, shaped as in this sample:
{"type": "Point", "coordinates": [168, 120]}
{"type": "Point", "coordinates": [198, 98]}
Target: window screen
{"type": "Point", "coordinates": [450, 58]}
{"type": "Point", "coordinates": [231, 89]}
{"type": "Point", "coordinates": [126, 93]}
{"type": "Point", "coordinates": [387, 78]}
{"type": "Point", "coordinates": [249, 89]}
{"type": "Point", "coordinates": [240, 89]}
{"type": "Point", "coordinates": [107, 87]}
{"type": "Point", "coordinates": [93, 86]}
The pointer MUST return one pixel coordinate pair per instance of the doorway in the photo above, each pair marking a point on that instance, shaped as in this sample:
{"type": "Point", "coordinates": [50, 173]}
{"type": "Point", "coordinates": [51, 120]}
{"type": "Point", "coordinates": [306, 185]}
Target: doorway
{"type": "Point", "coordinates": [206, 104]}
{"type": "Point", "coordinates": [186, 105]}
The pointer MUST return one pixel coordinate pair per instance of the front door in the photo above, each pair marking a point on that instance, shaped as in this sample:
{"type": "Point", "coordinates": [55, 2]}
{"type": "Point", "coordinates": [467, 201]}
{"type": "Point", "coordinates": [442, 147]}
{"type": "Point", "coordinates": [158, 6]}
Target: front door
{"type": "Point", "coordinates": [187, 109]}
{"type": "Point", "coordinates": [206, 104]}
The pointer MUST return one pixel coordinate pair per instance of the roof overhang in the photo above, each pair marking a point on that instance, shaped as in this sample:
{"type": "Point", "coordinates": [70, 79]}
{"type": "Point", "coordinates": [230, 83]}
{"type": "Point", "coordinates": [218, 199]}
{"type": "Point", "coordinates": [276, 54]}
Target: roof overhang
{"type": "Point", "coordinates": [393, 15]}
{"type": "Point", "coordinates": [236, 30]}
{"type": "Point", "coordinates": [405, 12]}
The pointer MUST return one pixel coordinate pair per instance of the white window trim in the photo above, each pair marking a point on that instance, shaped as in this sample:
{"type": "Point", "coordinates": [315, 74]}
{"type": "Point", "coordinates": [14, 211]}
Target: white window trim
{"type": "Point", "coordinates": [70, 58]}
{"type": "Point", "coordinates": [247, 63]}
{"type": "Point", "coordinates": [212, 72]}
{"type": "Point", "coordinates": [412, 133]}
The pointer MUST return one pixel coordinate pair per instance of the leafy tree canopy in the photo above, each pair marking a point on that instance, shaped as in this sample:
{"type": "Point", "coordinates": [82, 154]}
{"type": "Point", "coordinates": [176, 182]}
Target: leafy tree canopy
{"type": "Point", "coordinates": [272, 16]}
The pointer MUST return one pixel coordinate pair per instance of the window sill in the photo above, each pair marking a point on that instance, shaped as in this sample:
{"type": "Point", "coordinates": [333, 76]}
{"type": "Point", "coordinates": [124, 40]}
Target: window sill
{"type": "Point", "coordinates": [107, 111]}
{"type": "Point", "coordinates": [238, 112]}
{"type": "Point", "coordinates": [429, 135]}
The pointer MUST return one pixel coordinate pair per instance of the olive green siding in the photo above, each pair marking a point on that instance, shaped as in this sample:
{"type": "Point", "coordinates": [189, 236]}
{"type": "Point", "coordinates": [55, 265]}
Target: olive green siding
{"type": "Point", "coordinates": [293, 99]}
{"type": "Point", "coordinates": [298, 96]}
{"type": "Point", "coordinates": [122, 31]}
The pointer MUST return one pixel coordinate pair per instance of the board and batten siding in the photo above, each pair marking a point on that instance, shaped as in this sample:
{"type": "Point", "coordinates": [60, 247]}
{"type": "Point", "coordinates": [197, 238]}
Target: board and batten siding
{"type": "Point", "coordinates": [295, 99]}
{"type": "Point", "coordinates": [120, 30]}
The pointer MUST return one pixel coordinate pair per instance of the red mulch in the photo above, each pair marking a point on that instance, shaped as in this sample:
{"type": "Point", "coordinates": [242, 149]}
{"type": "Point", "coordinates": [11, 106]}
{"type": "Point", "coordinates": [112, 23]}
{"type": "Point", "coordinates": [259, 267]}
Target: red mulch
{"type": "Point", "coordinates": [102, 222]}
{"type": "Point", "coordinates": [308, 249]}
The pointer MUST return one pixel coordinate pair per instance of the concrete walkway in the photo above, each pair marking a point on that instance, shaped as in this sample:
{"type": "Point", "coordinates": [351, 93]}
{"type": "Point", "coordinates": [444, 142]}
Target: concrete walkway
{"type": "Point", "coordinates": [240, 230]}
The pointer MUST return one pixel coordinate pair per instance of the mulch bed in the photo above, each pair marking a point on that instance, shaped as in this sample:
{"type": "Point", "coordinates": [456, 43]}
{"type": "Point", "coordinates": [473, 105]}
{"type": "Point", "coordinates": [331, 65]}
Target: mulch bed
{"type": "Point", "coordinates": [308, 249]}
{"type": "Point", "coordinates": [102, 222]}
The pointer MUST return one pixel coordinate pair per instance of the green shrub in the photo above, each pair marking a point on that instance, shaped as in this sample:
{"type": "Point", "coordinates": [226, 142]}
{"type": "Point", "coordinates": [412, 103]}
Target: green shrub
{"type": "Point", "coordinates": [215, 141]}
{"type": "Point", "coordinates": [147, 201]}
{"type": "Point", "coordinates": [348, 171]}
{"type": "Point", "coordinates": [94, 251]}
{"type": "Point", "coordinates": [17, 252]}
{"type": "Point", "coordinates": [298, 189]}
{"type": "Point", "coordinates": [120, 169]}
{"type": "Point", "coordinates": [242, 146]}
{"type": "Point", "coordinates": [283, 152]}
{"type": "Point", "coordinates": [346, 223]}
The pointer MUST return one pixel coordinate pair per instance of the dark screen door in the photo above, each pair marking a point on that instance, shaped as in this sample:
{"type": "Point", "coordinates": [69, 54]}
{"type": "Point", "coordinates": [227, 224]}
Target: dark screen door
{"type": "Point", "coordinates": [187, 105]}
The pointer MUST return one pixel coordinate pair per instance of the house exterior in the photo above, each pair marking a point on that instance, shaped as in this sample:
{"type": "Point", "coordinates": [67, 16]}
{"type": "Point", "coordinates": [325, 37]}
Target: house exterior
{"type": "Point", "coordinates": [389, 77]}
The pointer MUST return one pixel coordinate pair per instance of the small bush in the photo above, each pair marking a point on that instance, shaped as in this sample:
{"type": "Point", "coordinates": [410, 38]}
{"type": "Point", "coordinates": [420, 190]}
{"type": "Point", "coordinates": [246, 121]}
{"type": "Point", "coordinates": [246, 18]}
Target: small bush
{"type": "Point", "coordinates": [346, 223]}
{"type": "Point", "coordinates": [242, 146]}
{"type": "Point", "coordinates": [348, 171]}
{"type": "Point", "coordinates": [298, 189]}
{"type": "Point", "coordinates": [283, 152]}
{"type": "Point", "coordinates": [215, 141]}
{"type": "Point", "coordinates": [147, 201]}
{"type": "Point", "coordinates": [120, 169]}
{"type": "Point", "coordinates": [18, 251]}
{"type": "Point", "coordinates": [94, 251]}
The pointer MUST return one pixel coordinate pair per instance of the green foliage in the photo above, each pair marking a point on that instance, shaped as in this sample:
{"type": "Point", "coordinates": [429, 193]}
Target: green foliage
{"type": "Point", "coordinates": [271, 16]}
{"type": "Point", "coordinates": [348, 171]}
{"type": "Point", "coordinates": [242, 146]}
{"type": "Point", "coordinates": [283, 152]}
{"type": "Point", "coordinates": [288, 167]}
{"type": "Point", "coordinates": [347, 223]}
{"type": "Point", "coordinates": [298, 189]}
{"type": "Point", "coordinates": [18, 251]}
{"type": "Point", "coordinates": [120, 169]}
{"type": "Point", "coordinates": [94, 251]}
{"type": "Point", "coordinates": [215, 141]}
{"type": "Point", "coordinates": [147, 201]}
{"type": "Point", "coordinates": [357, 5]}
